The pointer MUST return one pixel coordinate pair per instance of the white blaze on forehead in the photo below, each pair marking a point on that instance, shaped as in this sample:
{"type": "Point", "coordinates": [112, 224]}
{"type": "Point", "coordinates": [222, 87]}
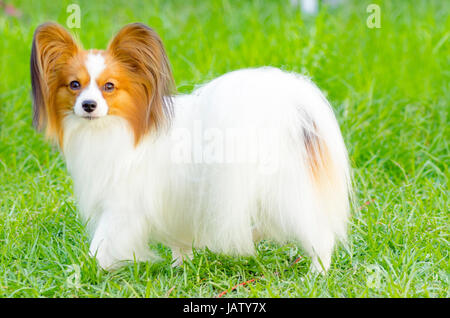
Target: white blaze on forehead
{"type": "Point", "coordinates": [95, 65]}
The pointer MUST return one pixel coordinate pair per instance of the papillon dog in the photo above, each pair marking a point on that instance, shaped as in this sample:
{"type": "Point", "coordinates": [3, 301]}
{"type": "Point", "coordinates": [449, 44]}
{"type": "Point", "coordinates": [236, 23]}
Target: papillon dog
{"type": "Point", "coordinates": [254, 154]}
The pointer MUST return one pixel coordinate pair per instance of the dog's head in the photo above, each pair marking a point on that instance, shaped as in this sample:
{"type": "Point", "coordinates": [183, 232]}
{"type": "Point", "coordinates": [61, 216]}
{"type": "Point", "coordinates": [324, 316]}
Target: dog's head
{"type": "Point", "coordinates": [132, 79]}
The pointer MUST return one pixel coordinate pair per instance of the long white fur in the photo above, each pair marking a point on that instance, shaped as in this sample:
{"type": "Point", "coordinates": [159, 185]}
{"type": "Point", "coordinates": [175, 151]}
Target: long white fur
{"type": "Point", "coordinates": [157, 192]}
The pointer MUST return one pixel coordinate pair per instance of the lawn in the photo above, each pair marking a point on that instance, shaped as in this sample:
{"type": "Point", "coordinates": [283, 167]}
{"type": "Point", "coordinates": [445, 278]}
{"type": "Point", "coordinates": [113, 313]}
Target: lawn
{"type": "Point", "coordinates": [390, 90]}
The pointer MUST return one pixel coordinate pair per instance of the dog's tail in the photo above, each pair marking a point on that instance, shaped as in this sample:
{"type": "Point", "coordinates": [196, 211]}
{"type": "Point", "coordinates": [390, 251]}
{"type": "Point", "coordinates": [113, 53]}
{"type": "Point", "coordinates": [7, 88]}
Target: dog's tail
{"type": "Point", "coordinates": [326, 160]}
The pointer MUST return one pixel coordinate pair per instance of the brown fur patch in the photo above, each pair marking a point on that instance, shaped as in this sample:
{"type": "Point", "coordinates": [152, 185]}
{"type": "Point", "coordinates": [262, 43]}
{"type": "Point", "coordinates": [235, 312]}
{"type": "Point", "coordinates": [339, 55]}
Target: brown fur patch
{"type": "Point", "coordinates": [142, 61]}
{"type": "Point", "coordinates": [319, 161]}
{"type": "Point", "coordinates": [52, 50]}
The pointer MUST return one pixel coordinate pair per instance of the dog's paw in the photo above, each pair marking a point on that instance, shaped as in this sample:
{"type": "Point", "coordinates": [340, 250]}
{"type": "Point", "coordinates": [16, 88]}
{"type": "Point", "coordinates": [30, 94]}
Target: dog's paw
{"type": "Point", "coordinates": [318, 266]}
{"type": "Point", "coordinates": [104, 259]}
{"type": "Point", "coordinates": [179, 255]}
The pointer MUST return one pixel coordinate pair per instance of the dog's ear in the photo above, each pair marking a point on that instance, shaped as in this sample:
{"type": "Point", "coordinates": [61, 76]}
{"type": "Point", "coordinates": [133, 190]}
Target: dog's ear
{"type": "Point", "coordinates": [140, 50]}
{"type": "Point", "coordinates": [52, 47]}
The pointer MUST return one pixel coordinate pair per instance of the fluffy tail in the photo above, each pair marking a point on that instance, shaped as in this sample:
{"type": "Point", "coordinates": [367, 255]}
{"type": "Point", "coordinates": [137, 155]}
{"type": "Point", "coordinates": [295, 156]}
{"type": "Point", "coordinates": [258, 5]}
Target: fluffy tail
{"type": "Point", "coordinates": [327, 161]}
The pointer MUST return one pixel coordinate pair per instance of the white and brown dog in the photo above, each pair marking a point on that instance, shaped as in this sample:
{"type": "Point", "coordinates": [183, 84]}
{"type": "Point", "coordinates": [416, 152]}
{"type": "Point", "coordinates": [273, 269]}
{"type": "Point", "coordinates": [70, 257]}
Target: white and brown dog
{"type": "Point", "coordinates": [254, 154]}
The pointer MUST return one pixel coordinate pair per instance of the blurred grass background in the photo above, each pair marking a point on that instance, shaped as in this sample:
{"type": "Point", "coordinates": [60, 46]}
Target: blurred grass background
{"type": "Point", "coordinates": [389, 88]}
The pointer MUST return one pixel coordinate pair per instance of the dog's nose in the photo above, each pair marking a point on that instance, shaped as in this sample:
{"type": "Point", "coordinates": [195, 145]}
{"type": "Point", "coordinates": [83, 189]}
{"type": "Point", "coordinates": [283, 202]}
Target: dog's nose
{"type": "Point", "coordinates": [89, 105]}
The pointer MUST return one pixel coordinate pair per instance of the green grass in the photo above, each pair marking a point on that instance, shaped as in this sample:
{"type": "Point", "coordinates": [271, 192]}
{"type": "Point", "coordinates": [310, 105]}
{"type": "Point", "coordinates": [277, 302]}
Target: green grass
{"type": "Point", "coordinates": [389, 88]}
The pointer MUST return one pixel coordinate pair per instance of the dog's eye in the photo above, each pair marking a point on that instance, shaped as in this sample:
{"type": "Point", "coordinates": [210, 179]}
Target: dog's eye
{"type": "Point", "coordinates": [75, 85]}
{"type": "Point", "coordinates": [109, 87]}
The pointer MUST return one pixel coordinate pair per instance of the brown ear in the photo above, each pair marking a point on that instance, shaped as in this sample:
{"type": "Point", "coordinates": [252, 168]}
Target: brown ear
{"type": "Point", "coordinates": [51, 48]}
{"type": "Point", "coordinates": [140, 50]}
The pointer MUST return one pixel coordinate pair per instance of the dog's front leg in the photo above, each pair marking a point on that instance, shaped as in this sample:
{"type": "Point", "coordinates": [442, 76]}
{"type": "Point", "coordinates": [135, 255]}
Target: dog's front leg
{"type": "Point", "coordinates": [120, 237]}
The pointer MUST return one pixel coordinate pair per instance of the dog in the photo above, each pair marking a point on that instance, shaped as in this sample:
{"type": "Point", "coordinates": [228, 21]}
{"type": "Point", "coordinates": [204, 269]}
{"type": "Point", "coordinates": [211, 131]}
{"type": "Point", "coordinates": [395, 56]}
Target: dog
{"type": "Point", "coordinates": [254, 154]}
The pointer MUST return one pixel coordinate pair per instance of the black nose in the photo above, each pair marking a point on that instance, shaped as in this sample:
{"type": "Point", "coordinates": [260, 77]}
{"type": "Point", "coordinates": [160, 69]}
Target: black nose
{"type": "Point", "coordinates": [89, 105]}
